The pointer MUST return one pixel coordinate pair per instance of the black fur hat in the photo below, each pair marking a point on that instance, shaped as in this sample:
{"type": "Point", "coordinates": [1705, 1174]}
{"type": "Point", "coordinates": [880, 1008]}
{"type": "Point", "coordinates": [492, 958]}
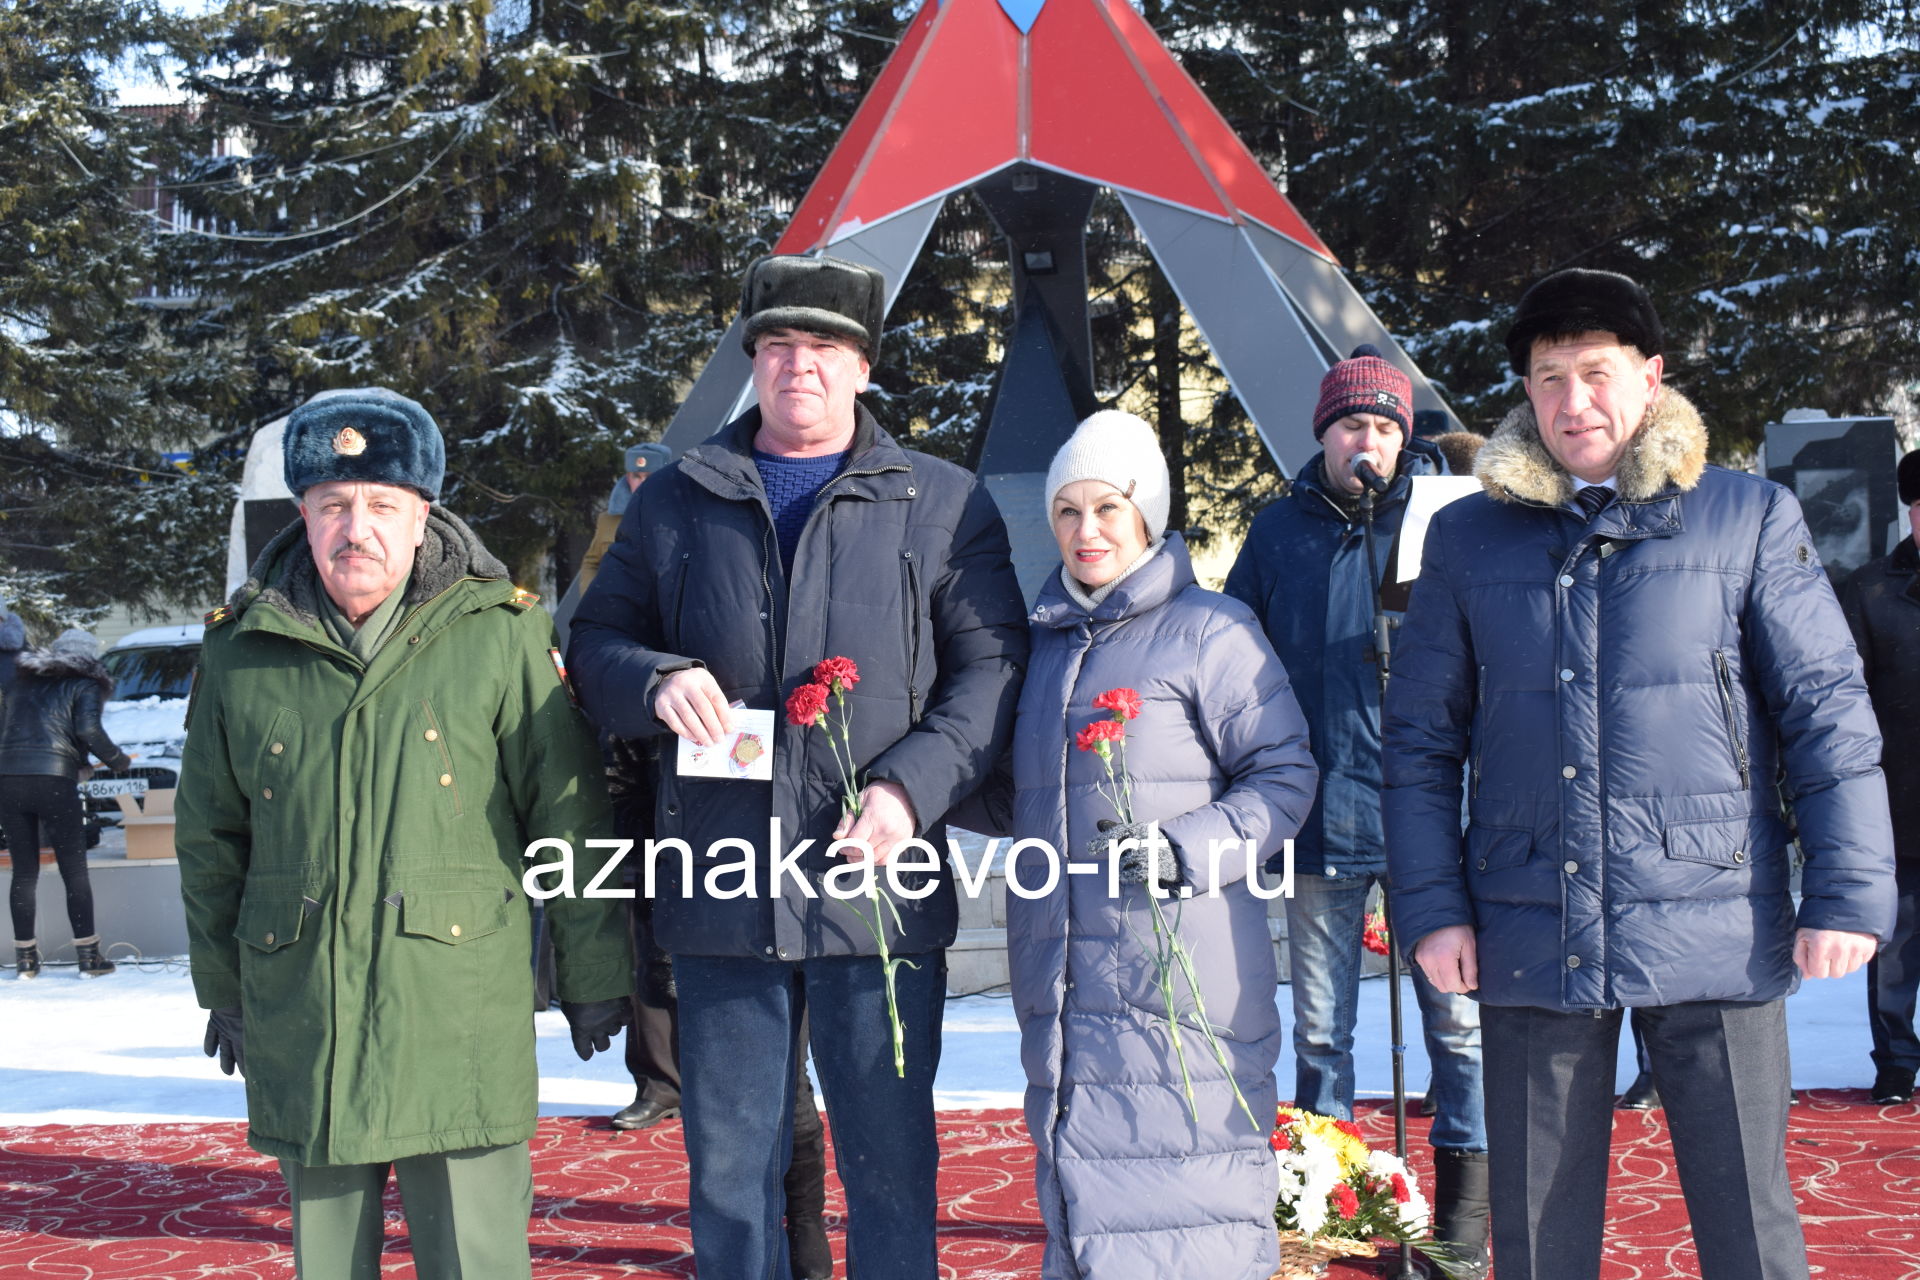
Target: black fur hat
{"type": "Point", "coordinates": [1581, 301]}
{"type": "Point", "coordinates": [814, 295]}
{"type": "Point", "coordinates": [368, 434]}
{"type": "Point", "coordinates": [1908, 478]}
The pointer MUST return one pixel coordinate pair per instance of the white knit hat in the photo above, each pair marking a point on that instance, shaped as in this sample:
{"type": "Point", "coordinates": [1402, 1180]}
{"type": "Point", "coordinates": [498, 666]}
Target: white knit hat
{"type": "Point", "coordinates": [1123, 451]}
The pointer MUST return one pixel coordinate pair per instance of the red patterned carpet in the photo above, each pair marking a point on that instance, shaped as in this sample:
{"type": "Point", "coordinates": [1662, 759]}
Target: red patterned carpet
{"type": "Point", "coordinates": [167, 1201]}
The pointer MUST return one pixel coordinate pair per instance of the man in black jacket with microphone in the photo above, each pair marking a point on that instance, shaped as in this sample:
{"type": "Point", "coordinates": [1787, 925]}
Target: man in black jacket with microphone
{"type": "Point", "coordinates": [1304, 569]}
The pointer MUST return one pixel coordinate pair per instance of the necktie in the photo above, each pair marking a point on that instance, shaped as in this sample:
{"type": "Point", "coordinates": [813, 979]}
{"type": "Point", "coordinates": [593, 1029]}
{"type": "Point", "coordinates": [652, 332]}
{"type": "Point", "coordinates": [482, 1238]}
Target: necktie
{"type": "Point", "coordinates": [1593, 498]}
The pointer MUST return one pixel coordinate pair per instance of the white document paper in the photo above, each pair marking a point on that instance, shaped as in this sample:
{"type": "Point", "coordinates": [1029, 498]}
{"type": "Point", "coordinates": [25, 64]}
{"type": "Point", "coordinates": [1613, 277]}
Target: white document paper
{"type": "Point", "coordinates": [745, 753]}
{"type": "Point", "coordinates": [1430, 493]}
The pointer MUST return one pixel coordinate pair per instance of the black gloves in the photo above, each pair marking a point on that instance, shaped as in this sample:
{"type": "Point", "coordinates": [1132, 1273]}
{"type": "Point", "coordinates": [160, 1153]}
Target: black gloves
{"type": "Point", "coordinates": [594, 1024]}
{"type": "Point", "coordinates": [1152, 855]}
{"type": "Point", "coordinates": [227, 1037]}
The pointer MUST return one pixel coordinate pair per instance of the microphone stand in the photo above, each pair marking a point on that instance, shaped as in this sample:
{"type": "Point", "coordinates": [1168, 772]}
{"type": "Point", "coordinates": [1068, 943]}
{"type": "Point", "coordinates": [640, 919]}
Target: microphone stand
{"type": "Point", "coordinates": [1383, 655]}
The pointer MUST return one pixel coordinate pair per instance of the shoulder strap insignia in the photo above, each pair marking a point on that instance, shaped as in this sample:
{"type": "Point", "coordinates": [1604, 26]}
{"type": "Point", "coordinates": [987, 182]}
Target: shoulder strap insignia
{"type": "Point", "coordinates": [523, 599]}
{"type": "Point", "coordinates": [217, 616]}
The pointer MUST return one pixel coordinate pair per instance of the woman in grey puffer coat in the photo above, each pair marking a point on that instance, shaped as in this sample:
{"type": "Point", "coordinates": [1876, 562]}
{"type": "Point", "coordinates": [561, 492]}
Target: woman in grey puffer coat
{"type": "Point", "coordinates": [1131, 1185]}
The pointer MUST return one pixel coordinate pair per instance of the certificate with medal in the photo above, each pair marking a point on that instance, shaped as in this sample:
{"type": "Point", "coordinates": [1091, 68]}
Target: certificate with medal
{"type": "Point", "coordinates": [746, 753]}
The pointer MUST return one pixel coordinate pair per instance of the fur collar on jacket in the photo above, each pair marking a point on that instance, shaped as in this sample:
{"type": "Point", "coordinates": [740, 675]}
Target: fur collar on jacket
{"type": "Point", "coordinates": [1669, 451]}
{"type": "Point", "coordinates": [44, 664]}
{"type": "Point", "coordinates": [284, 576]}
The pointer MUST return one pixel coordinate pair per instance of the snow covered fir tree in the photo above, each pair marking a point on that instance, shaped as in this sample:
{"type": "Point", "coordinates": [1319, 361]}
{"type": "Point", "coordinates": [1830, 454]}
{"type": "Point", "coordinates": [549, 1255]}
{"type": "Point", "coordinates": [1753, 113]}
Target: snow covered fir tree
{"type": "Point", "coordinates": [532, 215]}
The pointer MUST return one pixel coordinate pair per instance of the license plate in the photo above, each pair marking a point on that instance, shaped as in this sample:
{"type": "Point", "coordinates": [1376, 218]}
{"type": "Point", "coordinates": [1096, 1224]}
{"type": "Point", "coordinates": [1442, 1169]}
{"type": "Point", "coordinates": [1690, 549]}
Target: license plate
{"type": "Point", "coordinates": [108, 787]}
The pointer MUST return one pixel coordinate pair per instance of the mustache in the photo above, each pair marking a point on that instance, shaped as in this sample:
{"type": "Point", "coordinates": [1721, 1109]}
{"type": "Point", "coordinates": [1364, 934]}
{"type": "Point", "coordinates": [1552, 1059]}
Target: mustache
{"type": "Point", "coordinates": [366, 549]}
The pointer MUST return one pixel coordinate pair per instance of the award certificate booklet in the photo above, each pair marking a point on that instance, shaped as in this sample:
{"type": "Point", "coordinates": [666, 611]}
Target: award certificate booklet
{"type": "Point", "coordinates": [746, 753]}
{"type": "Point", "coordinates": [1430, 493]}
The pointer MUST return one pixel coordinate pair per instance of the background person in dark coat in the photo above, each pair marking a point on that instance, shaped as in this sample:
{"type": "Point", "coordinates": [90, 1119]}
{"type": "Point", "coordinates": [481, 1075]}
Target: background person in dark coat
{"type": "Point", "coordinates": [1626, 647]}
{"type": "Point", "coordinates": [1304, 571]}
{"type": "Point", "coordinates": [1883, 607]}
{"type": "Point", "coordinates": [49, 722]}
{"type": "Point", "coordinates": [13, 639]}
{"type": "Point", "coordinates": [802, 531]}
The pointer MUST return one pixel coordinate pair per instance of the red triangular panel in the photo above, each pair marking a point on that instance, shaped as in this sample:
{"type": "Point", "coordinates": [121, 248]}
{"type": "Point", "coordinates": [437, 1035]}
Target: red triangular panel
{"type": "Point", "coordinates": [1098, 95]}
{"type": "Point", "coordinates": [834, 183]}
{"type": "Point", "coordinates": [951, 116]}
{"type": "Point", "coordinates": [1233, 166]}
{"type": "Point", "coordinates": [1094, 116]}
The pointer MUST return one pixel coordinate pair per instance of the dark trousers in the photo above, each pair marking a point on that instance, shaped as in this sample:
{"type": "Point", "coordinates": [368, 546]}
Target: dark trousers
{"type": "Point", "coordinates": [1893, 978]}
{"type": "Point", "coordinates": [1721, 1068]}
{"type": "Point", "coordinates": [653, 1037]}
{"type": "Point", "coordinates": [739, 1043]}
{"type": "Point", "coordinates": [44, 809]}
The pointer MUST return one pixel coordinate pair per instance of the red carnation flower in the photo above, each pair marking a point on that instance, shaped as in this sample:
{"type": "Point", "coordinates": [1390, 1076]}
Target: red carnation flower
{"type": "Point", "coordinates": [1374, 935]}
{"type": "Point", "coordinates": [1345, 1202]}
{"type": "Point", "coordinates": [1098, 735]}
{"type": "Point", "coordinates": [1351, 1129]}
{"type": "Point", "coordinates": [838, 674]}
{"type": "Point", "coordinates": [1400, 1193]}
{"type": "Point", "coordinates": [1124, 703]}
{"type": "Point", "coordinates": [807, 704]}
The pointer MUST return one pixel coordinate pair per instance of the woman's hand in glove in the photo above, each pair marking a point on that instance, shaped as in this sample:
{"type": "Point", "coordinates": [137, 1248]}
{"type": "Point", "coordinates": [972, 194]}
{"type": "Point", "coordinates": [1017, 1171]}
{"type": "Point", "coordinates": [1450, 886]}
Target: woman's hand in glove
{"type": "Point", "coordinates": [1151, 856]}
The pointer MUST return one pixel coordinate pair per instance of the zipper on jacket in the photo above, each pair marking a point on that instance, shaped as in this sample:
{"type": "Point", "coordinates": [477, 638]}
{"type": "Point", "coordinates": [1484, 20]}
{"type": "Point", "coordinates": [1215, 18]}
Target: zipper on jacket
{"type": "Point", "coordinates": [1479, 745]}
{"type": "Point", "coordinates": [1725, 677]}
{"type": "Point", "coordinates": [910, 580]}
{"type": "Point", "coordinates": [680, 598]}
{"type": "Point", "coordinates": [773, 632]}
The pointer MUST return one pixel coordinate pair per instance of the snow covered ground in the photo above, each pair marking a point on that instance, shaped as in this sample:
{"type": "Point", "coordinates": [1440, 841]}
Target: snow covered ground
{"type": "Point", "coordinates": [127, 1048]}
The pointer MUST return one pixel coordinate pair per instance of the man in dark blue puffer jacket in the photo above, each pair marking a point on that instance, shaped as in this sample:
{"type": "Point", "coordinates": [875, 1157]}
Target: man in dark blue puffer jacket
{"type": "Point", "coordinates": [1626, 648]}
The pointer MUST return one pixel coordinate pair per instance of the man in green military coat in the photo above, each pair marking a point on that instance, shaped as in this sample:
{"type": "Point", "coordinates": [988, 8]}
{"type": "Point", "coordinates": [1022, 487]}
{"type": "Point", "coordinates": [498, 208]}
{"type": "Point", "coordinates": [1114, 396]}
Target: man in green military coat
{"type": "Point", "coordinates": [379, 730]}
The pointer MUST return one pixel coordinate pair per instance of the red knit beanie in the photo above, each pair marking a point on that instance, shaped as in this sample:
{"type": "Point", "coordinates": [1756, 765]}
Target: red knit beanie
{"type": "Point", "coordinates": [1365, 382]}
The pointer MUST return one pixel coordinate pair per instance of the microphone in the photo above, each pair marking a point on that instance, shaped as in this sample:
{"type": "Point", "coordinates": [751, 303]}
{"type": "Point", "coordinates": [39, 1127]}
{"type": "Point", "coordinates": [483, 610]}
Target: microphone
{"type": "Point", "coordinates": [1364, 472]}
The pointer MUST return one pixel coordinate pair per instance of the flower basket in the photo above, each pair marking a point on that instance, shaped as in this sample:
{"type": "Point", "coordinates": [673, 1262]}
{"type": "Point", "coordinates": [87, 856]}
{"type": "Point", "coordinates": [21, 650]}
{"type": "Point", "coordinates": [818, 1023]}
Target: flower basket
{"type": "Point", "coordinates": [1302, 1258]}
{"type": "Point", "coordinates": [1340, 1198]}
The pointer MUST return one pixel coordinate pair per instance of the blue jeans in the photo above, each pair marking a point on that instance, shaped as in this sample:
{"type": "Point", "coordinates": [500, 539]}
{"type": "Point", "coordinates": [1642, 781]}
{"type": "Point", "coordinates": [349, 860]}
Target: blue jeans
{"type": "Point", "coordinates": [1323, 936]}
{"type": "Point", "coordinates": [739, 1037]}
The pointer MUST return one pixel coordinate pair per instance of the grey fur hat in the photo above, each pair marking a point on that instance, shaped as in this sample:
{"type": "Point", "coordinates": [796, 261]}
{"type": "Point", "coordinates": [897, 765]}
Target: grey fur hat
{"type": "Point", "coordinates": [814, 295]}
{"type": "Point", "coordinates": [367, 434]}
{"type": "Point", "coordinates": [73, 641]}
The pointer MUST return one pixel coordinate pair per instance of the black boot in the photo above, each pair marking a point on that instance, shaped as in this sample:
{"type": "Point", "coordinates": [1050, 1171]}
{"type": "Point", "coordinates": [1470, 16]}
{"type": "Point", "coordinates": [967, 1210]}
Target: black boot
{"type": "Point", "coordinates": [1460, 1209]}
{"type": "Point", "coordinates": [1641, 1095]}
{"type": "Point", "coordinates": [92, 963]}
{"type": "Point", "coordinates": [806, 1188]}
{"type": "Point", "coordinates": [26, 961]}
{"type": "Point", "coordinates": [807, 1250]}
{"type": "Point", "coordinates": [1890, 1085]}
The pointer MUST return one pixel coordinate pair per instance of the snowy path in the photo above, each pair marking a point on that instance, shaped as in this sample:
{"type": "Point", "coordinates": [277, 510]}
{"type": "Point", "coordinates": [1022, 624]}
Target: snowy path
{"type": "Point", "coordinates": [127, 1049]}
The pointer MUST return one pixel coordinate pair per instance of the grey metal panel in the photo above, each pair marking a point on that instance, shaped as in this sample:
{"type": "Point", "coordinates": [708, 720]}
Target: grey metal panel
{"type": "Point", "coordinates": [724, 388]}
{"type": "Point", "coordinates": [892, 245]}
{"type": "Point", "coordinates": [1332, 305]}
{"type": "Point", "coordinates": [1023, 505]}
{"type": "Point", "coordinates": [1272, 362]}
{"type": "Point", "coordinates": [1033, 412]}
{"type": "Point", "coordinates": [710, 404]}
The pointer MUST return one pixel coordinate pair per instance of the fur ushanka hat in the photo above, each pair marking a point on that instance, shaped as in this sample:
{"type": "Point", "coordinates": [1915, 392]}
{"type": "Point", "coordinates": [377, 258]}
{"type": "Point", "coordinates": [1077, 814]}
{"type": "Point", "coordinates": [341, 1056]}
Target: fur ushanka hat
{"type": "Point", "coordinates": [367, 434]}
{"type": "Point", "coordinates": [1578, 300]}
{"type": "Point", "coordinates": [814, 295]}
